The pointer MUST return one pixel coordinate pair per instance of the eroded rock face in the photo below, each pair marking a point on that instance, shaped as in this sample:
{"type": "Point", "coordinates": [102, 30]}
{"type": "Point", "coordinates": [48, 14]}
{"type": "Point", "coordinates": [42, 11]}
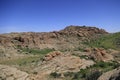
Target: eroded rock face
{"type": "Point", "coordinates": [111, 75]}
{"type": "Point", "coordinates": [99, 54]}
{"type": "Point", "coordinates": [10, 73]}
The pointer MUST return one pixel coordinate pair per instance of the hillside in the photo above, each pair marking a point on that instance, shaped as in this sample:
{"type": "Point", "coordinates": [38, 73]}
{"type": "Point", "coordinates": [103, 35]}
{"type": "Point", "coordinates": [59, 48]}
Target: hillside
{"type": "Point", "coordinates": [108, 41]}
{"type": "Point", "coordinates": [70, 38]}
{"type": "Point", "coordinates": [74, 53]}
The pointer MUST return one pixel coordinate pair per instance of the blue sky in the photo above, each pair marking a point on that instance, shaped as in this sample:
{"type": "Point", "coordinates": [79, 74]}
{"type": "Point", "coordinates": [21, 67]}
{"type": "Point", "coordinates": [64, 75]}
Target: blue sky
{"type": "Point", "coordinates": [51, 15]}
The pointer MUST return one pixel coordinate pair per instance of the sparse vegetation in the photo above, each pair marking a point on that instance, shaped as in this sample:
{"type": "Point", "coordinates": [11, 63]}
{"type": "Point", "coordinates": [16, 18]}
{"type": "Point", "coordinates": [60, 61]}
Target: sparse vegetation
{"type": "Point", "coordinates": [35, 73]}
{"type": "Point", "coordinates": [106, 41]}
{"type": "Point", "coordinates": [21, 50]}
{"type": "Point", "coordinates": [37, 51]}
{"type": "Point", "coordinates": [21, 61]}
{"type": "Point", "coordinates": [90, 73]}
{"type": "Point", "coordinates": [83, 57]}
{"type": "Point", "coordinates": [55, 75]}
{"type": "Point", "coordinates": [93, 75]}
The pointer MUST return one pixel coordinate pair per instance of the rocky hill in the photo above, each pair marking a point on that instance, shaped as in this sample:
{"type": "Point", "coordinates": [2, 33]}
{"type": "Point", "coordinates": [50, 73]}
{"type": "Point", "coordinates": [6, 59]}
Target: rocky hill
{"type": "Point", "coordinates": [74, 53]}
{"type": "Point", "coordinates": [71, 36]}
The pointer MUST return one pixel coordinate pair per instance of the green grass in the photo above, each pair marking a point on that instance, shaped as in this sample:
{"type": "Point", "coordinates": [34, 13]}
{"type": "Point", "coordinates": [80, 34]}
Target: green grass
{"type": "Point", "coordinates": [37, 56]}
{"type": "Point", "coordinates": [106, 41]}
{"type": "Point", "coordinates": [33, 50]}
{"type": "Point", "coordinates": [21, 61]}
{"type": "Point", "coordinates": [27, 60]}
{"type": "Point", "coordinates": [36, 51]}
{"type": "Point", "coordinates": [25, 64]}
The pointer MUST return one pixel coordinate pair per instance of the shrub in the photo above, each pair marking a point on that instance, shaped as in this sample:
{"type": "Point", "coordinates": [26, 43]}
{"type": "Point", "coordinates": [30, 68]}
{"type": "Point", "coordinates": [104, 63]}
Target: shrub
{"type": "Point", "coordinates": [55, 75]}
{"type": "Point", "coordinates": [35, 73]}
{"type": "Point", "coordinates": [102, 64]}
{"type": "Point", "coordinates": [80, 74]}
{"type": "Point", "coordinates": [93, 75]}
{"type": "Point", "coordinates": [68, 74]}
{"type": "Point", "coordinates": [83, 57]}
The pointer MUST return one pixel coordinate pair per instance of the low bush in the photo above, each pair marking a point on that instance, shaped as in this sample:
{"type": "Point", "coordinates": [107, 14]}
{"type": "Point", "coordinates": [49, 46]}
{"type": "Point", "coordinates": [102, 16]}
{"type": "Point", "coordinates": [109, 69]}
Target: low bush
{"type": "Point", "coordinates": [93, 75]}
{"type": "Point", "coordinates": [37, 51]}
{"type": "Point", "coordinates": [55, 75]}
{"type": "Point", "coordinates": [92, 72]}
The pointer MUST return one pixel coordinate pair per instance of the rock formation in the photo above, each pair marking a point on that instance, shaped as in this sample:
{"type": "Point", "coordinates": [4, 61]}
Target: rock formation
{"type": "Point", "coordinates": [51, 55]}
{"type": "Point", "coordinates": [36, 40]}
{"type": "Point", "coordinates": [71, 37]}
{"type": "Point", "coordinates": [62, 63]}
{"type": "Point", "coordinates": [67, 41]}
{"type": "Point", "coordinates": [99, 54]}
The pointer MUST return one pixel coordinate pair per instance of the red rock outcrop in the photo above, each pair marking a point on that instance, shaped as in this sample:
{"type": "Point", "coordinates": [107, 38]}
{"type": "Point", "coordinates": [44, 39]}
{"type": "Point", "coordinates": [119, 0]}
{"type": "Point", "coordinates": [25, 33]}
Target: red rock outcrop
{"type": "Point", "coordinates": [51, 55]}
{"type": "Point", "coordinates": [99, 54]}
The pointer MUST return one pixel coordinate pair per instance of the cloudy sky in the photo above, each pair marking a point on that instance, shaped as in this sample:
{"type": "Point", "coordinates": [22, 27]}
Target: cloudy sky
{"type": "Point", "coordinates": [51, 15]}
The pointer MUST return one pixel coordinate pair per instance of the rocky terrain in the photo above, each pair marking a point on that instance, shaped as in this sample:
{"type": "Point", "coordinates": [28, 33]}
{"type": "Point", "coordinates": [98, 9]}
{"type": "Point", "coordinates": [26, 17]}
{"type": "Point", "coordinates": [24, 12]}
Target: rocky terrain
{"type": "Point", "coordinates": [10, 73]}
{"type": "Point", "coordinates": [71, 36]}
{"type": "Point", "coordinates": [111, 75]}
{"type": "Point", "coordinates": [74, 53]}
{"type": "Point", "coordinates": [99, 54]}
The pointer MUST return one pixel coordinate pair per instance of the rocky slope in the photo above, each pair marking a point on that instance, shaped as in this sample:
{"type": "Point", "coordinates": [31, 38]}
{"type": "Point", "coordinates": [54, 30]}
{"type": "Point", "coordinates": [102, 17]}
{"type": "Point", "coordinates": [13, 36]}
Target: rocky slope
{"type": "Point", "coordinates": [36, 55]}
{"type": "Point", "coordinates": [11, 73]}
{"type": "Point", "coordinates": [60, 64]}
{"type": "Point", "coordinates": [99, 54]}
{"type": "Point", "coordinates": [71, 36]}
{"type": "Point", "coordinates": [41, 40]}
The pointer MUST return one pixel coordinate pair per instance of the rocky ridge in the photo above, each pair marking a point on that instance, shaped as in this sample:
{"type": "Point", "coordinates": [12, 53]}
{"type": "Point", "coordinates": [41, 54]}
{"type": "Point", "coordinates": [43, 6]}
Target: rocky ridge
{"type": "Point", "coordinates": [71, 36]}
{"type": "Point", "coordinates": [37, 40]}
